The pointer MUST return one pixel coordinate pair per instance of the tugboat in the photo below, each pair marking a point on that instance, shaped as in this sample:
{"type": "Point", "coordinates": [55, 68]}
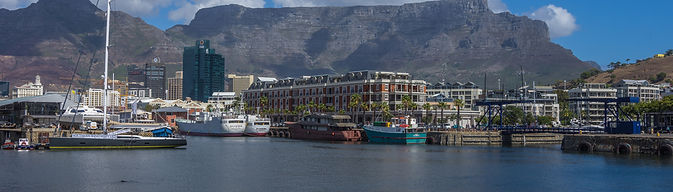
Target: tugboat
{"type": "Point", "coordinates": [8, 145]}
{"type": "Point", "coordinates": [24, 144]}
{"type": "Point", "coordinates": [325, 127]}
{"type": "Point", "coordinates": [400, 130]}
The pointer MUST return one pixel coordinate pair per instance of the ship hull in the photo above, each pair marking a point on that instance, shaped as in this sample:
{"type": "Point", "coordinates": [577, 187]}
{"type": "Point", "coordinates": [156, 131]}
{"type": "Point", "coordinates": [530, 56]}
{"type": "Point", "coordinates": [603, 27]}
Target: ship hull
{"type": "Point", "coordinates": [297, 132]}
{"type": "Point", "coordinates": [256, 134]}
{"type": "Point", "coordinates": [376, 136]}
{"type": "Point", "coordinates": [212, 128]}
{"type": "Point", "coordinates": [114, 143]}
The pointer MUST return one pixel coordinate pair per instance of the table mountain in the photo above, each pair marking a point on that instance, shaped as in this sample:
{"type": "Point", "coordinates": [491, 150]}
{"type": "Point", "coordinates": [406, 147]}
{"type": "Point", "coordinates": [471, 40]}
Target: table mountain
{"type": "Point", "coordinates": [456, 40]}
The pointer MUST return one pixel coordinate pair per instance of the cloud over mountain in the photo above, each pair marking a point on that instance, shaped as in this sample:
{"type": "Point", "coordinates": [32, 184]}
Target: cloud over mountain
{"type": "Point", "coordinates": [561, 22]}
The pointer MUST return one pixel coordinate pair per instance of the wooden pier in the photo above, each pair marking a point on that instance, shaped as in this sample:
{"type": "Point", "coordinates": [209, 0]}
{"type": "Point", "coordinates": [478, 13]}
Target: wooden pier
{"type": "Point", "coordinates": [619, 144]}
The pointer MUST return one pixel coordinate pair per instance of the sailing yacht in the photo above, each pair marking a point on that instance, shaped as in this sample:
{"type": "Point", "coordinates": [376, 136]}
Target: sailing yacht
{"type": "Point", "coordinates": [112, 140]}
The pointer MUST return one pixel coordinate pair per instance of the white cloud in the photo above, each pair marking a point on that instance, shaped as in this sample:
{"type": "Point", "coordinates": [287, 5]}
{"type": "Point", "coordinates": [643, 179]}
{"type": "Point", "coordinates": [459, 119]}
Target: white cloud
{"type": "Point", "coordinates": [15, 4]}
{"type": "Point", "coordinates": [561, 23]}
{"type": "Point", "coordinates": [187, 9]}
{"type": "Point", "coordinates": [497, 6]}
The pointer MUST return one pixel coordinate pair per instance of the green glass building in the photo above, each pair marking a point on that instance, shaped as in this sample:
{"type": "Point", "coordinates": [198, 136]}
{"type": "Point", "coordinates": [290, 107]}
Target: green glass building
{"type": "Point", "coordinates": [203, 71]}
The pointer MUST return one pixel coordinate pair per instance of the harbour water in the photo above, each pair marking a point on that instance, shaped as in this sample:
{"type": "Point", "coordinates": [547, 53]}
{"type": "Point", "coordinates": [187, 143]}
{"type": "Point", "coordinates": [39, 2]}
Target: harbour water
{"type": "Point", "coordinates": [278, 164]}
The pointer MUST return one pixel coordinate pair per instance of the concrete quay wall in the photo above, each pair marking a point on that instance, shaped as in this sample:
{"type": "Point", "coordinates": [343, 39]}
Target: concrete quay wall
{"type": "Point", "coordinates": [490, 138]}
{"type": "Point", "coordinates": [620, 144]}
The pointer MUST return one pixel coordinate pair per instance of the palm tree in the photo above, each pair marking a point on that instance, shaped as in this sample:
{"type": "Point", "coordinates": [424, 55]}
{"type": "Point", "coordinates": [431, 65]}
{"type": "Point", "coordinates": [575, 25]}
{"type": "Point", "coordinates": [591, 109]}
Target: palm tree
{"type": "Point", "coordinates": [322, 107]}
{"type": "Point", "coordinates": [413, 107]}
{"type": "Point", "coordinates": [669, 52]}
{"type": "Point", "coordinates": [441, 106]}
{"type": "Point", "coordinates": [330, 109]}
{"type": "Point", "coordinates": [375, 106]}
{"type": "Point", "coordinates": [355, 103]}
{"type": "Point", "coordinates": [263, 101]}
{"type": "Point", "coordinates": [300, 110]}
{"type": "Point", "coordinates": [406, 101]}
{"type": "Point", "coordinates": [364, 107]}
{"type": "Point", "coordinates": [427, 108]}
{"type": "Point", "coordinates": [385, 110]}
{"type": "Point", "coordinates": [236, 103]}
{"type": "Point", "coordinates": [459, 104]}
{"type": "Point", "coordinates": [311, 106]}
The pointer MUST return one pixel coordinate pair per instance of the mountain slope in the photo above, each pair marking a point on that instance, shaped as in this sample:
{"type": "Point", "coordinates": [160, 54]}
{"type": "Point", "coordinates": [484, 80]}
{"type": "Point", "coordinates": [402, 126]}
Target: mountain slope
{"type": "Point", "coordinates": [418, 38]}
{"type": "Point", "coordinates": [647, 69]}
{"type": "Point", "coordinates": [456, 40]}
{"type": "Point", "coordinates": [52, 32]}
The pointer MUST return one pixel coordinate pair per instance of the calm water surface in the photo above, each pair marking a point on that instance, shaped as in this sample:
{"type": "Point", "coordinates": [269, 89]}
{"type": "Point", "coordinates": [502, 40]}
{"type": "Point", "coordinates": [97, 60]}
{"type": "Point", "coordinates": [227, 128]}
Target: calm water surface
{"type": "Point", "coordinates": [276, 164]}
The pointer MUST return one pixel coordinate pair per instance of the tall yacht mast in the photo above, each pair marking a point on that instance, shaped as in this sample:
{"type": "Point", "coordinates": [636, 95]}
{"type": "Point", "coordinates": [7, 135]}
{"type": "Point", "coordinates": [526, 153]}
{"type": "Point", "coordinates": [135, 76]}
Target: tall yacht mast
{"type": "Point", "coordinates": [107, 46]}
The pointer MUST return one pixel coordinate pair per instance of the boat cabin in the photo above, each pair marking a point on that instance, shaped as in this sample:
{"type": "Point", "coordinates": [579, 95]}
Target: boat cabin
{"type": "Point", "coordinates": [324, 121]}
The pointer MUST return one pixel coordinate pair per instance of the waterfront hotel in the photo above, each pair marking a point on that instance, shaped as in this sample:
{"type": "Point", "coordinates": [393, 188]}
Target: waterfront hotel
{"type": "Point", "coordinates": [335, 90]}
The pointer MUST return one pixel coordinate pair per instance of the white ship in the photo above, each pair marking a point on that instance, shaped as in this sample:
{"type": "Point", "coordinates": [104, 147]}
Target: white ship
{"type": "Point", "coordinates": [257, 126]}
{"type": "Point", "coordinates": [213, 124]}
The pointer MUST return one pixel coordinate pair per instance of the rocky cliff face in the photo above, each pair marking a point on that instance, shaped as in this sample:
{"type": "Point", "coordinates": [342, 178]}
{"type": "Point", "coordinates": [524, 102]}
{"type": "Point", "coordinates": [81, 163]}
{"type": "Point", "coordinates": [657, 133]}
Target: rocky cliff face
{"type": "Point", "coordinates": [46, 37]}
{"type": "Point", "coordinates": [456, 40]}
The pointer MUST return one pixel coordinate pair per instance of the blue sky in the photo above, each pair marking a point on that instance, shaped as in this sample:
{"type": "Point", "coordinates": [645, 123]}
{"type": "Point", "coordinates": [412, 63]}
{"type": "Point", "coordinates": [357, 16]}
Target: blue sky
{"type": "Point", "coordinates": [596, 30]}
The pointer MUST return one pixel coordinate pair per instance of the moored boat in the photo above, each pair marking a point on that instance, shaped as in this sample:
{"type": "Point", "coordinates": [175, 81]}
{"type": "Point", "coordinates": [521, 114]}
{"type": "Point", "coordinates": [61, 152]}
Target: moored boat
{"type": "Point", "coordinates": [8, 145]}
{"type": "Point", "coordinates": [325, 127]}
{"type": "Point", "coordinates": [400, 130]}
{"type": "Point", "coordinates": [84, 141]}
{"type": "Point", "coordinates": [257, 126]}
{"type": "Point", "coordinates": [212, 125]}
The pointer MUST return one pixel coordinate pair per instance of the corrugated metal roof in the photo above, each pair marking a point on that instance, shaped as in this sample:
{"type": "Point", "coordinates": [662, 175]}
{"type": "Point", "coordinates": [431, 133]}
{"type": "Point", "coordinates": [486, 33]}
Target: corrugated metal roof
{"type": "Point", "coordinates": [171, 110]}
{"type": "Point", "coordinates": [49, 98]}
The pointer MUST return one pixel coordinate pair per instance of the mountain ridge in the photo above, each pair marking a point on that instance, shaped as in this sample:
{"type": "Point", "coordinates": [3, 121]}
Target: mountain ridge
{"type": "Point", "coordinates": [457, 40]}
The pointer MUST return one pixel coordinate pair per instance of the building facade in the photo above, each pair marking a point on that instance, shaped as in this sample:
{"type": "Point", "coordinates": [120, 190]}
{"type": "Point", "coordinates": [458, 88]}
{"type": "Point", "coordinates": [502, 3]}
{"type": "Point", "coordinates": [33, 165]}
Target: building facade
{"type": "Point", "coordinates": [335, 90]}
{"type": "Point", "coordinates": [240, 83]}
{"type": "Point", "coordinates": [203, 71]}
{"type": "Point", "coordinates": [135, 75]}
{"type": "Point", "coordinates": [94, 98]}
{"type": "Point", "coordinates": [29, 89]}
{"type": "Point", "coordinates": [468, 92]}
{"type": "Point", "coordinates": [155, 78]}
{"type": "Point", "coordinates": [4, 90]}
{"type": "Point", "coordinates": [591, 112]}
{"type": "Point", "coordinates": [225, 99]}
{"type": "Point", "coordinates": [174, 86]}
{"type": "Point", "coordinates": [638, 88]}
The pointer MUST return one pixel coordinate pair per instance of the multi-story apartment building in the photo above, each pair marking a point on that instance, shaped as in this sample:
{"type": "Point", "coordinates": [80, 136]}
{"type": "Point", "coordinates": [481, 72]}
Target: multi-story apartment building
{"type": "Point", "coordinates": [225, 99]}
{"type": "Point", "coordinates": [638, 88]}
{"type": "Point", "coordinates": [29, 89]}
{"type": "Point", "coordinates": [335, 90]}
{"type": "Point", "coordinates": [591, 112]}
{"type": "Point", "coordinates": [174, 86]}
{"type": "Point", "coordinates": [544, 101]}
{"type": "Point", "coordinates": [468, 92]}
{"type": "Point", "coordinates": [94, 98]}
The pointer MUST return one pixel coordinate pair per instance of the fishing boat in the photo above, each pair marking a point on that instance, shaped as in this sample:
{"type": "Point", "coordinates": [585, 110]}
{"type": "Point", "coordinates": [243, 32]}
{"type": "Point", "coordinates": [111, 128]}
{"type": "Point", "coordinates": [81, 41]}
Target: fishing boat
{"type": "Point", "coordinates": [110, 140]}
{"type": "Point", "coordinates": [213, 124]}
{"type": "Point", "coordinates": [325, 127]}
{"type": "Point", "coordinates": [400, 130]}
{"type": "Point", "coordinates": [257, 126]}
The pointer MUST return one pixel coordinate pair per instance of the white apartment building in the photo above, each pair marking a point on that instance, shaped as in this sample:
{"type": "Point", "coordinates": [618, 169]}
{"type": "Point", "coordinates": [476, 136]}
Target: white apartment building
{"type": "Point", "coordinates": [594, 110]}
{"type": "Point", "coordinates": [638, 88]}
{"type": "Point", "coordinates": [468, 92]}
{"type": "Point", "coordinates": [223, 98]}
{"type": "Point", "coordinates": [94, 98]}
{"type": "Point", "coordinates": [29, 89]}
